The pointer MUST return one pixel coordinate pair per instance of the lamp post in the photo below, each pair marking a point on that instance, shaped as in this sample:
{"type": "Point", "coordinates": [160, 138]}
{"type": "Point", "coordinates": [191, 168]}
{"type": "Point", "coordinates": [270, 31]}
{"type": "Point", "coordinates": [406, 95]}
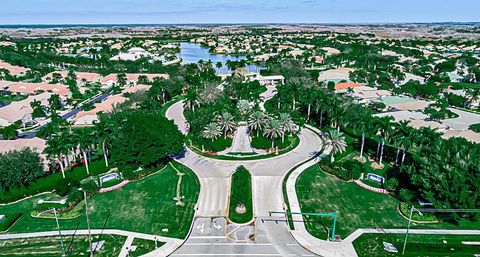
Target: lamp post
{"type": "Point", "coordinates": [59, 231]}
{"type": "Point", "coordinates": [408, 227]}
{"type": "Point", "coordinates": [88, 221]}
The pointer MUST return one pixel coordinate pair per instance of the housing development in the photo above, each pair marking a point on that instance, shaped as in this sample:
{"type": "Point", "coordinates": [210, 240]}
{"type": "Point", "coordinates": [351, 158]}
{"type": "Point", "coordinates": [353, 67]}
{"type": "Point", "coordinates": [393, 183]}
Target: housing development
{"type": "Point", "coordinates": [240, 140]}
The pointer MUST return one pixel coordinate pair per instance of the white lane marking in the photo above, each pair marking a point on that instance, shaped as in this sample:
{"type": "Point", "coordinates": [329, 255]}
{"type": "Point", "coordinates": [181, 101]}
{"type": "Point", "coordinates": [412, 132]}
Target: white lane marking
{"type": "Point", "coordinates": [242, 244]}
{"type": "Point", "coordinates": [207, 237]}
{"type": "Point", "coordinates": [227, 254]}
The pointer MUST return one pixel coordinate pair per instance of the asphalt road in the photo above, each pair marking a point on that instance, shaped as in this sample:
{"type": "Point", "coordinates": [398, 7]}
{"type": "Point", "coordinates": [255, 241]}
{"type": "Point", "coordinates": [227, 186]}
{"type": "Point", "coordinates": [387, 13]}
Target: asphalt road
{"type": "Point", "coordinates": [272, 239]}
{"type": "Point", "coordinates": [68, 114]}
{"type": "Point", "coordinates": [272, 234]}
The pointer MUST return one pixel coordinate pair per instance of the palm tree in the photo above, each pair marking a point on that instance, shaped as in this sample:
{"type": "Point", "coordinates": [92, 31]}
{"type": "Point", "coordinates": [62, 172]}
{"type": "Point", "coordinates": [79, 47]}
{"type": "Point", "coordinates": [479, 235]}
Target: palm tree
{"type": "Point", "coordinates": [84, 140]}
{"type": "Point", "coordinates": [273, 130]}
{"type": "Point", "coordinates": [191, 100]}
{"type": "Point", "coordinates": [226, 122]}
{"type": "Point", "coordinates": [257, 121]}
{"type": "Point", "coordinates": [473, 95]}
{"type": "Point", "coordinates": [212, 131]}
{"type": "Point", "coordinates": [54, 150]}
{"type": "Point", "coordinates": [337, 141]}
{"type": "Point", "coordinates": [361, 123]}
{"type": "Point", "coordinates": [103, 130]}
{"type": "Point", "coordinates": [320, 106]}
{"type": "Point", "coordinates": [219, 65]}
{"type": "Point", "coordinates": [288, 126]}
{"type": "Point", "coordinates": [383, 126]}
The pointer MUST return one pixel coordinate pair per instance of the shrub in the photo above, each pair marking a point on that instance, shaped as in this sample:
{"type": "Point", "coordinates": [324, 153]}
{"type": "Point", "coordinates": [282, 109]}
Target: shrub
{"type": "Point", "coordinates": [391, 184]}
{"type": "Point", "coordinates": [65, 187]}
{"type": "Point", "coordinates": [475, 127]}
{"type": "Point", "coordinates": [89, 185]}
{"type": "Point", "coordinates": [406, 195]}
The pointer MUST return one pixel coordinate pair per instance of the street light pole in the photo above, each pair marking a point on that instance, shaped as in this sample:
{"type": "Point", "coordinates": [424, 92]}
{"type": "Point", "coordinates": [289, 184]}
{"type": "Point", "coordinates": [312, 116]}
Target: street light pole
{"type": "Point", "coordinates": [59, 231]}
{"type": "Point", "coordinates": [408, 229]}
{"type": "Point", "coordinates": [88, 223]}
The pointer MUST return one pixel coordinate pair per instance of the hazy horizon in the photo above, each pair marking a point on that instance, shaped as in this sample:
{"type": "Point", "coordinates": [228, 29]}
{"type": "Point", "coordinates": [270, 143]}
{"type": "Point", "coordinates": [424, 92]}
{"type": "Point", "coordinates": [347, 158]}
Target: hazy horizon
{"type": "Point", "coordinates": [168, 12]}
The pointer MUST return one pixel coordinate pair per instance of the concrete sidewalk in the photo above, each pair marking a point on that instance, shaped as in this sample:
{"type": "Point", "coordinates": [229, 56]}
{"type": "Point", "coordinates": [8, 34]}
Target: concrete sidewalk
{"type": "Point", "coordinates": [171, 244]}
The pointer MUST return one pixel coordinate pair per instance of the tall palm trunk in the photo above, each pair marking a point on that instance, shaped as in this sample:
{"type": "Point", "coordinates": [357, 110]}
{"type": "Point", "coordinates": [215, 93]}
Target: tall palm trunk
{"type": "Point", "coordinates": [381, 151]}
{"type": "Point", "coordinates": [403, 155]}
{"type": "Point", "coordinates": [104, 148]}
{"type": "Point", "coordinates": [363, 144]}
{"type": "Point", "coordinates": [273, 143]}
{"type": "Point", "coordinates": [321, 118]}
{"type": "Point", "coordinates": [86, 161]}
{"type": "Point", "coordinates": [398, 153]}
{"type": "Point", "coordinates": [378, 148]}
{"type": "Point", "coordinates": [62, 168]}
{"type": "Point", "coordinates": [308, 112]}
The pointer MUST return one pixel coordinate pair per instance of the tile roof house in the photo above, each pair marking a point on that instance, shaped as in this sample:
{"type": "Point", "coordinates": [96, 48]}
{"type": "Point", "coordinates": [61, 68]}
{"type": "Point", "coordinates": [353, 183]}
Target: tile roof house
{"type": "Point", "coordinates": [14, 70]}
{"type": "Point", "coordinates": [26, 88]}
{"type": "Point", "coordinates": [87, 76]}
{"type": "Point", "coordinates": [346, 85]}
{"type": "Point", "coordinates": [21, 110]}
{"type": "Point", "coordinates": [335, 75]}
{"type": "Point", "coordinates": [88, 118]}
{"type": "Point", "coordinates": [36, 144]}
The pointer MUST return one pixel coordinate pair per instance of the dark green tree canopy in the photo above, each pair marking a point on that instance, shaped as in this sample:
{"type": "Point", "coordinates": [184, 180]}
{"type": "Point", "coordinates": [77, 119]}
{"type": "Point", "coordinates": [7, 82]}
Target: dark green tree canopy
{"type": "Point", "coordinates": [144, 139]}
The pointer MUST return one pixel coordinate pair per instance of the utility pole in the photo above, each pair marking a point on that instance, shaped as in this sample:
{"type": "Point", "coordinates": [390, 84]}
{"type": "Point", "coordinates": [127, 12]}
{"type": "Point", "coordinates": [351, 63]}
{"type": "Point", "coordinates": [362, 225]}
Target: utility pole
{"type": "Point", "coordinates": [408, 227]}
{"type": "Point", "coordinates": [88, 223]}
{"type": "Point", "coordinates": [59, 231]}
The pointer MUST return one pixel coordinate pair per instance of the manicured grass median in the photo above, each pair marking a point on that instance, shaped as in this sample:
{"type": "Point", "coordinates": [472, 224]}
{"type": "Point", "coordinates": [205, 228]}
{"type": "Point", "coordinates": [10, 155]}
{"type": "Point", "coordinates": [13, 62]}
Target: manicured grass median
{"type": "Point", "coordinates": [142, 206]}
{"type": "Point", "coordinates": [371, 245]}
{"type": "Point", "coordinates": [241, 192]}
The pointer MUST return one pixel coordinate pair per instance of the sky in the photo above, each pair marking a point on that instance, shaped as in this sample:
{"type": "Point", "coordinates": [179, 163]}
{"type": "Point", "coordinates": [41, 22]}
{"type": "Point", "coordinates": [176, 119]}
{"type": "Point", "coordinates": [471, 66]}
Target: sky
{"type": "Point", "coordinates": [239, 11]}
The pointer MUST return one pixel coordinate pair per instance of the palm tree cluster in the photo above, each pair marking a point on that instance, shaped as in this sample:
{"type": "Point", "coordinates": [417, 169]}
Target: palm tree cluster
{"type": "Point", "coordinates": [68, 146]}
{"type": "Point", "coordinates": [415, 151]}
{"type": "Point", "coordinates": [224, 123]}
{"type": "Point", "coordinates": [273, 128]}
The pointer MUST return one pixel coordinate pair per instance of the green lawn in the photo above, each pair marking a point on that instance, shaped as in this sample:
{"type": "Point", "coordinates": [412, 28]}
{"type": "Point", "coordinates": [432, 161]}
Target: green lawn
{"type": "Point", "coordinates": [371, 245]}
{"type": "Point", "coordinates": [241, 192]}
{"type": "Point", "coordinates": [143, 206]}
{"type": "Point", "coordinates": [51, 247]}
{"type": "Point", "coordinates": [356, 207]}
{"type": "Point", "coordinates": [52, 181]}
{"type": "Point", "coordinates": [143, 246]}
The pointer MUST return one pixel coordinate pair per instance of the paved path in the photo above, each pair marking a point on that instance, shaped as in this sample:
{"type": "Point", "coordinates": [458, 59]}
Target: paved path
{"type": "Point", "coordinates": [300, 233]}
{"type": "Point", "coordinates": [170, 243]}
{"type": "Point", "coordinates": [463, 121]}
{"type": "Point", "coordinates": [267, 95]}
{"type": "Point", "coordinates": [241, 141]}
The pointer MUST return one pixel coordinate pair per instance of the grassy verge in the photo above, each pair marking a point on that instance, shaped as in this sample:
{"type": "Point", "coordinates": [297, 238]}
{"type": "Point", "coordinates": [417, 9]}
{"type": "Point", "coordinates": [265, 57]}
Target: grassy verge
{"type": "Point", "coordinates": [145, 206]}
{"type": "Point", "coordinates": [50, 246]}
{"type": "Point", "coordinates": [355, 206]}
{"type": "Point", "coordinates": [371, 245]}
{"type": "Point", "coordinates": [241, 192]}
{"type": "Point", "coordinates": [143, 246]}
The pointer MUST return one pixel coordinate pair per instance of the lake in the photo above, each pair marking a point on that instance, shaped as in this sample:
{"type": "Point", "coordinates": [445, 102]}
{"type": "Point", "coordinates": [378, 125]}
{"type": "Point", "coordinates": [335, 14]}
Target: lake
{"type": "Point", "coordinates": [192, 53]}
